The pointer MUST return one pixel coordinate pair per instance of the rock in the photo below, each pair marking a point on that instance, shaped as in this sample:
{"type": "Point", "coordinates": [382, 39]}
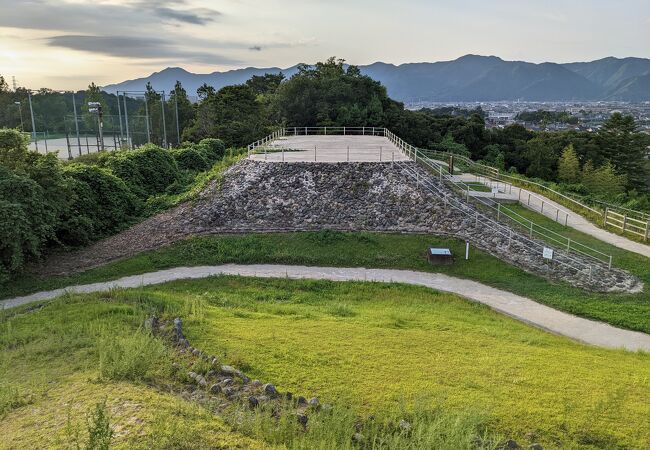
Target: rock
{"type": "Point", "coordinates": [302, 401]}
{"type": "Point", "coordinates": [192, 375]}
{"type": "Point", "coordinates": [215, 361]}
{"type": "Point", "coordinates": [196, 352]}
{"type": "Point", "coordinates": [270, 390]}
{"type": "Point", "coordinates": [211, 374]}
{"type": "Point", "coordinates": [511, 445]}
{"type": "Point", "coordinates": [228, 391]}
{"type": "Point", "coordinates": [313, 402]}
{"type": "Point", "coordinates": [227, 382]}
{"type": "Point", "coordinates": [150, 324]}
{"type": "Point", "coordinates": [288, 396]}
{"type": "Point", "coordinates": [215, 389]}
{"type": "Point", "coordinates": [201, 381]}
{"type": "Point", "coordinates": [253, 402]}
{"type": "Point", "coordinates": [302, 419]}
{"type": "Point", "coordinates": [535, 447]}
{"type": "Point", "coordinates": [404, 425]}
{"type": "Point", "coordinates": [228, 371]}
{"type": "Point", "coordinates": [358, 438]}
{"type": "Point", "coordinates": [256, 383]}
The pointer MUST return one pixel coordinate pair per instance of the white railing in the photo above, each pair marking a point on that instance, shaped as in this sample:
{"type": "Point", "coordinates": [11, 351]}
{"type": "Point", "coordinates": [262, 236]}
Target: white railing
{"type": "Point", "coordinates": [533, 229]}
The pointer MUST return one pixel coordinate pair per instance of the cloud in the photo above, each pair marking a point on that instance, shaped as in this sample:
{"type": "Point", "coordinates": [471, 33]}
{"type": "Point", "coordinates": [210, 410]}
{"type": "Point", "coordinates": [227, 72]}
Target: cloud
{"type": "Point", "coordinates": [135, 47]}
{"type": "Point", "coordinates": [93, 17]}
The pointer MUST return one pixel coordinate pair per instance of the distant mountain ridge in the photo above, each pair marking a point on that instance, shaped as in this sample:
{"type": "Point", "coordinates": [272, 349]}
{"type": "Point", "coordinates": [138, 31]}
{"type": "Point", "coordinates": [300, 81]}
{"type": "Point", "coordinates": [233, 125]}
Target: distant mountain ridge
{"type": "Point", "coordinates": [468, 78]}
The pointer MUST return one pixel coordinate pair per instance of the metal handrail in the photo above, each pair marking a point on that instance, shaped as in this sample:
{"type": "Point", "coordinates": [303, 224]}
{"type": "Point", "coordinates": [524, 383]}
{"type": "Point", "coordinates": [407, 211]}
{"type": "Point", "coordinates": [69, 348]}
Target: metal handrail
{"type": "Point", "coordinates": [417, 155]}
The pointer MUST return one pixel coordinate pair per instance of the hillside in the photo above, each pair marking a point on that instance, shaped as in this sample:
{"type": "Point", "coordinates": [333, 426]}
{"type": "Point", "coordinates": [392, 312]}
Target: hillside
{"type": "Point", "coordinates": [468, 78]}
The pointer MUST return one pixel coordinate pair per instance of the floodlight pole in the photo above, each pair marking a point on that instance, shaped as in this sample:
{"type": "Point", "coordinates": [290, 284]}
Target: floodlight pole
{"type": "Point", "coordinates": [20, 112]}
{"type": "Point", "coordinates": [178, 133]}
{"type": "Point", "coordinates": [31, 111]}
{"type": "Point", "coordinates": [162, 105]}
{"type": "Point", "coordinates": [146, 115]}
{"type": "Point", "coordinates": [76, 122]}
{"type": "Point", "coordinates": [119, 114]}
{"type": "Point", "coordinates": [126, 120]}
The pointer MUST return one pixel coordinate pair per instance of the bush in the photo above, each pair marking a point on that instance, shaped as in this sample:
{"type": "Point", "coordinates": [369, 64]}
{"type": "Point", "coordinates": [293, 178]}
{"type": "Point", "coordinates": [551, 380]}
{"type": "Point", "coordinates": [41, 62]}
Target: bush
{"type": "Point", "coordinates": [190, 159]}
{"type": "Point", "coordinates": [101, 201]}
{"type": "Point", "coordinates": [147, 170]}
{"type": "Point", "coordinates": [13, 148]}
{"type": "Point", "coordinates": [212, 149]}
{"type": "Point", "coordinates": [27, 221]}
{"type": "Point", "coordinates": [132, 358]}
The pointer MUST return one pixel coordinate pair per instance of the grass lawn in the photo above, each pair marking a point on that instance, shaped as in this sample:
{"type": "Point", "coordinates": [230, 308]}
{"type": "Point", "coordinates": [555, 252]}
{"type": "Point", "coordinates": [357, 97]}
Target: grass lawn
{"type": "Point", "coordinates": [381, 251]}
{"type": "Point", "coordinates": [375, 348]}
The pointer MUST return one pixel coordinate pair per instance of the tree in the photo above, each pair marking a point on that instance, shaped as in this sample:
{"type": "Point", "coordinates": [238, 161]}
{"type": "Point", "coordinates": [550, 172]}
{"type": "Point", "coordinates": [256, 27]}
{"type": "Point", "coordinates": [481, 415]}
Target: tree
{"type": "Point", "coordinates": [568, 166]}
{"type": "Point", "coordinates": [180, 103]}
{"type": "Point", "coordinates": [603, 181]}
{"type": "Point", "coordinates": [622, 146]}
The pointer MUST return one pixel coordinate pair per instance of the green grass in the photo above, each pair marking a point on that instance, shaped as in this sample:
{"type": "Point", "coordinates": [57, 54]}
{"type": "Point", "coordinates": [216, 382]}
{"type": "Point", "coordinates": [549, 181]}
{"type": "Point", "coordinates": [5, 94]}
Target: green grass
{"type": "Point", "coordinates": [380, 350]}
{"type": "Point", "coordinates": [456, 370]}
{"type": "Point", "coordinates": [380, 251]}
{"type": "Point", "coordinates": [57, 364]}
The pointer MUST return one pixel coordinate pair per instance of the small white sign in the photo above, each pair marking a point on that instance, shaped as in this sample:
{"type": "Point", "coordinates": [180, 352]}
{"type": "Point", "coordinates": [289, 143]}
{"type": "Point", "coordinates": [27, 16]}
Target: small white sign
{"type": "Point", "coordinates": [548, 253]}
{"type": "Point", "coordinates": [495, 190]}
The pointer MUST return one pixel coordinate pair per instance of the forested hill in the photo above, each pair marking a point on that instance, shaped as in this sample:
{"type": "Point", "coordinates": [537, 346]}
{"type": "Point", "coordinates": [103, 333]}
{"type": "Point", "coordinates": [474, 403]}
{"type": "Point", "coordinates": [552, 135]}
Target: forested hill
{"type": "Point", "coordinates": [469, 78]}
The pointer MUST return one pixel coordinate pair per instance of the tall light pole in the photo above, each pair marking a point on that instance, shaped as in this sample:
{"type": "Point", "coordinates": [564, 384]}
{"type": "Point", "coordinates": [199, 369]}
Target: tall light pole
{"type": "Point", "coordinates": [96, 108]}
{"type": "Point", "coordinates": [31, 111]}
{"type": "Point", "coordinates": [76, 122]}
{"type": "Point", "coordinates": [20, 111]}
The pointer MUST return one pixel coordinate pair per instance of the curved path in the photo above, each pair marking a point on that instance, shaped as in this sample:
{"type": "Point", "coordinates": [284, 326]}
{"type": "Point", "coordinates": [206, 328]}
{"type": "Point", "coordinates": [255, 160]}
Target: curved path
{"type": "Point", "coordinates": [520, 308]}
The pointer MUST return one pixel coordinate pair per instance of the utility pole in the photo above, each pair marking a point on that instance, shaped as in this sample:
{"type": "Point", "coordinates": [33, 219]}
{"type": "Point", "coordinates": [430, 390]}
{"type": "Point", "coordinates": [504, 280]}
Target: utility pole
{"type": "Point", "coordinates": [31, 111]}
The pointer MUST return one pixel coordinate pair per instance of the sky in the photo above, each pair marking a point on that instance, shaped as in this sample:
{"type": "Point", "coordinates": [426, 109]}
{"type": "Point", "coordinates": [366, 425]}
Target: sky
{"type": "Point", "coordinates": [66, 44]}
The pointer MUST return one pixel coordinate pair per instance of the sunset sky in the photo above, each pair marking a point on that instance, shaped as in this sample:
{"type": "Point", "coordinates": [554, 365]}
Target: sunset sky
{"type": "Point", "coordinates": [66, 44]}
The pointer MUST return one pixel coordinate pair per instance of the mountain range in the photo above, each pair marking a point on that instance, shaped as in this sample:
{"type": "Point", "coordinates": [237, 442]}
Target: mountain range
{"type": "Point", "coordinates": [467, 79]}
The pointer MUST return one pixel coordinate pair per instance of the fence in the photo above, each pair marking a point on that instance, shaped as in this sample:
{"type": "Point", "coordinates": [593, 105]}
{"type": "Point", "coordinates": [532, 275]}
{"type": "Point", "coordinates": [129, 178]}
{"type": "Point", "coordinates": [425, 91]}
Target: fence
{"type": "Point", "coordinates": [436, 170]}
{"type": "Point", "coordinates": [619, 218]}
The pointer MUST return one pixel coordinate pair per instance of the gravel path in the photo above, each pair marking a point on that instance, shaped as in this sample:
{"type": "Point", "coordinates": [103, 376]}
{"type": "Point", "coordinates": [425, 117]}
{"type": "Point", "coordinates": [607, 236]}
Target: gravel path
{"type": "Point", "coordinates": [533, 200]}
{"type": "Point", "coordinates": [520, 308]}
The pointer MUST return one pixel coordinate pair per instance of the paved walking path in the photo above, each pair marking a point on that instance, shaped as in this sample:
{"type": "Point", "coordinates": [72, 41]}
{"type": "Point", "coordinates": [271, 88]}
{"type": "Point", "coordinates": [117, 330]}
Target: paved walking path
{"type": "Point", "coordinates": [555, 211]}
{"type": "Point", "coordinates": [520, 308]}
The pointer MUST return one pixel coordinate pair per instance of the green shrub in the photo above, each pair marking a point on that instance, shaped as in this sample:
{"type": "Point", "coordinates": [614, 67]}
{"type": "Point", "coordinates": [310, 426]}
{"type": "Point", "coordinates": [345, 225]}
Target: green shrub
{"type": "Point", "coordinates": [27, 221]}
{"type": "Point", "coordinates": [212, 149]}
{"type": "Point", "coordinates": [190, 159]}
{"type": "Point", "coordinates": [147, 170]}
{"type": "Point", "coordinates": [136, 357]}
{"type": "Point", "coordinates": [13, 148]}
{"type": "Point", "coordinates": [101, 201]}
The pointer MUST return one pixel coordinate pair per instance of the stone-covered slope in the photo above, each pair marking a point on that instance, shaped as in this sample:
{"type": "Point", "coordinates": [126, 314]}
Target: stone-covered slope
{"type": "Point", "coordinates": [264, 197]}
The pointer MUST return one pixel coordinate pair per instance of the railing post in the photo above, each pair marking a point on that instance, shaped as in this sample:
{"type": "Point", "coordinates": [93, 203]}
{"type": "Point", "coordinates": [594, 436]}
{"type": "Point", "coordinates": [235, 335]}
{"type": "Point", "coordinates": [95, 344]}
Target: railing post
{"type": "Point", "coordinates": [624, 222]}
{"type": "Point", "coordinates": [343, 131]}
{"type": "Point", "coordinates": [314, 153]}
{"type": "Point", "coordinates": [647, 231]}
{"type": "Point", "coordinates": [498, 208]}
{"type": "Point", "coordinates": [605, 216]}
{"type": "Point", "coordinates": [568, 245]}
{"type": "Point", "coordinates": [609, 266]}
{"type": "Point", "coordinates": [381, 149]}
{"type": "Point", "coordinates": [348, 153]}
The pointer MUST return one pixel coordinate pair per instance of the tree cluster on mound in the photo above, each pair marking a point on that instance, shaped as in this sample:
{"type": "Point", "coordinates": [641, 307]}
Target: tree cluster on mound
{"type": "Point", "coordinates": [45, 202]}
